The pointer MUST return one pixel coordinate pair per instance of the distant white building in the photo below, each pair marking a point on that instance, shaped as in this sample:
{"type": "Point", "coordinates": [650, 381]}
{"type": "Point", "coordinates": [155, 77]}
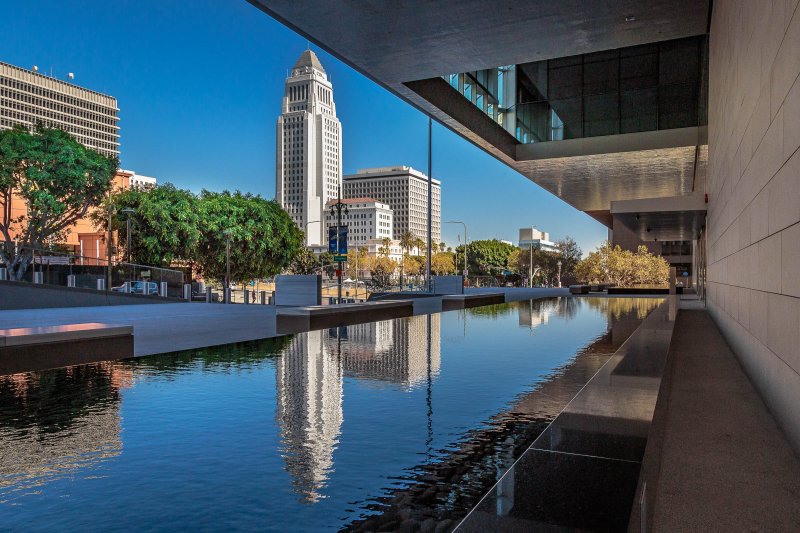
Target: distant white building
{"type": "Point", "coordinates": [375, 249]}
{"type": "Point", "coordinates": [137, 181]}
{"type": "Point", "coordinates": [366, 219]}
{"type": "Point", "coordinates": [309, 159]}
{"type": "Point", "coordinates": [538, 240]}
{"type": "Point", "coordinates": [406, 192]}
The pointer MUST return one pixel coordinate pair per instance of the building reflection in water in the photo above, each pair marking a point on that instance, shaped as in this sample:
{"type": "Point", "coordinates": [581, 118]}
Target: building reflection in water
{"type": "Point", "coordinates": [55, 423]}
{"type": "Point", "coordinates": [310, 381]}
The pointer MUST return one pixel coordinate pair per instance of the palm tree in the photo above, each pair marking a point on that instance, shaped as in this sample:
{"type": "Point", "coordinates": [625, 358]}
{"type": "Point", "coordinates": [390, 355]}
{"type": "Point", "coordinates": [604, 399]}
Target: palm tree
{"type": "Point", "coordinates": [407, 240]}
{"type": "Point", "coordinates": [386, 244]}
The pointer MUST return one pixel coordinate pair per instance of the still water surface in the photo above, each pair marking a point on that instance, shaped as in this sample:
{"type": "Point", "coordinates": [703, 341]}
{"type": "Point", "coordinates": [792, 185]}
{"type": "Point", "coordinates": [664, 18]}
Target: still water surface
{"type": "Point", "coordinates": [304, 433]}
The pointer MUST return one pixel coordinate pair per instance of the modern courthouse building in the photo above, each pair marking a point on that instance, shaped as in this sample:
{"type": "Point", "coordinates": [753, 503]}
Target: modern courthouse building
{"type": "Point", "coordinates": [309, 161]}
{"type": "Point", "coordinates": [28, 98]}
{"type": "Point", "coordinates": [668, 121]}
{"type": "Point", "coordinates": [406, 192]}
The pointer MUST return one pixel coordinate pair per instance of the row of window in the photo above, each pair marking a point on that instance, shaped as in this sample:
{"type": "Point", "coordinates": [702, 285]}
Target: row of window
{"type": "Point", "coordinates": [80, 108]}
{"type": "Point", "coordinates": [9, 119]}
{"type": "Point", "coordinates": [36, 90]}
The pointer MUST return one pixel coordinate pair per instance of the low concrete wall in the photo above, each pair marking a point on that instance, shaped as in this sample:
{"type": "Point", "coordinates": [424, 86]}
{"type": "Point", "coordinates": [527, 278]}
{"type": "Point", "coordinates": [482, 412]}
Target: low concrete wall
{"type": "Point", "coordinates": [23, 295]}
{"type": "Point", "coordinates": [298, 290]}
{"type": "Point", "coordinates": [448, 284]}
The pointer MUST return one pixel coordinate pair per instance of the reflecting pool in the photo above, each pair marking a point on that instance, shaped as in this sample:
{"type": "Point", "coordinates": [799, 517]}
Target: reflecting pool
{"type": "Point", "coordinates": [364, 427]}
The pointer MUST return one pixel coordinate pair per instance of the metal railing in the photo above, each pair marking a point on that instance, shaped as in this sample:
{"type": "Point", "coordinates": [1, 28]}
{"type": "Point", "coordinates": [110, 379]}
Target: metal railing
{"type": "Point", "coordinates": [56, 267]}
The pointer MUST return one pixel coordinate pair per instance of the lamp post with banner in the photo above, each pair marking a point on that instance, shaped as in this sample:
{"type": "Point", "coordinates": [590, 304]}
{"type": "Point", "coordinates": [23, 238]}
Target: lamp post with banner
{"type": "Point", "coordinates": [337, 241]}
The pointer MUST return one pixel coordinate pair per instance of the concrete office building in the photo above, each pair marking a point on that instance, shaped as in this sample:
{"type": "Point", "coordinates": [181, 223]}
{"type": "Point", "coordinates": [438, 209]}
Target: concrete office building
{"type": "Point", "coordinates": [366, 220]}
{"type": "Point", "coordinates": [406, 192]}
{"type": "Point", "coordinates": [538, 240]}
{"type": "Point", "coordinates": [309, 162]}
{"type": "Point", "coordinates": [28, 98]}
{"type": "Point", "coordinates": [668, 121]}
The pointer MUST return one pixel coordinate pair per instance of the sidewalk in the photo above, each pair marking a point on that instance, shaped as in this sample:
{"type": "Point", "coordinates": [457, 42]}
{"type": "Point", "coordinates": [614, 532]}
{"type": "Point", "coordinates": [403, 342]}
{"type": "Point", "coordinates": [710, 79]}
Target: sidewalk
{"type": "Point", "coordinates": [716, 459]}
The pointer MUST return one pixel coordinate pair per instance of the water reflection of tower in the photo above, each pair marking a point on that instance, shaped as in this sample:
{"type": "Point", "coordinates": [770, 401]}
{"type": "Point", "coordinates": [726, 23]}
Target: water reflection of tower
{"type": "Point", "coordinates": [309, 389]}
{"type": "Point", "coordinates": [393, 351]}
{"type": "Point", "coordinates": [534, 313]}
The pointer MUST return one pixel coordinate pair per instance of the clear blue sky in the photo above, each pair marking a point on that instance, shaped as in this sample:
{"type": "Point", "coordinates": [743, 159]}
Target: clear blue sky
{"type": "Point", "coordinates": [199, 86]}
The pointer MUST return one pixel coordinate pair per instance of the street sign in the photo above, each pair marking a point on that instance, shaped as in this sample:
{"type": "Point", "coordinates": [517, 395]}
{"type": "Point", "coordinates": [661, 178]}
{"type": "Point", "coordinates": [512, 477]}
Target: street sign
{"type": "Point", "coordinates": [340, 258]}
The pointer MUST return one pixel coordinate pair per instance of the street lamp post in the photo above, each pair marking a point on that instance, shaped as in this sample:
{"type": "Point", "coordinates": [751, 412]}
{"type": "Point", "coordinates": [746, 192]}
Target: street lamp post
{"type": "Point", "coordinates": [559, 273]}
{"type": "Point", "coordinates": [128, 212]}
{"type": "Point", "coordinates": [465, 242]}
{"type": "Point", "coordinates": [530, 265]}
{"type": "Point", "coordinates": [337, 209]}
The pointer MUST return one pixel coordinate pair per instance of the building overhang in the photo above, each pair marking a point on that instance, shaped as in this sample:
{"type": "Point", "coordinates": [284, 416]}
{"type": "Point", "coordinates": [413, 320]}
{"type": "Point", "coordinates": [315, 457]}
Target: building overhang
{"type": "Point", "coordinates": [679, 218]}
{"type": "Point", "coordinates": [408, 46]}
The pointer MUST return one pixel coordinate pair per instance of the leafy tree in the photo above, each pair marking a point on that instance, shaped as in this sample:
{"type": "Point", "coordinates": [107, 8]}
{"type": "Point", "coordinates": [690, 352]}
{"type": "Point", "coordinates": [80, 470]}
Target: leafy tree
{"type": "Point", "coordinates": [57, 178]}
{"type": "Point", "coordinates": [327, 264]}
{"type": "Point", "coordinates": [165, 223]}
{"type": "Point", "coordinates": [442, 264]}
{"type": "Point", "coordinates": [407, 240]}
{"type": "Point", "coordinates": [263, 238]}
{"type": "Point", "coordinates": [570, 255]}
{"type": "Point", "coordinates": [612, 264]}
{"type": "Point", "coordinates": [357, 262]}
{"type": "Point", "coordinates": [305, 262]}
{"type": "Point", "coordinates": [487, 257]}
{"type": "Point", "coordinates": [382, 270]}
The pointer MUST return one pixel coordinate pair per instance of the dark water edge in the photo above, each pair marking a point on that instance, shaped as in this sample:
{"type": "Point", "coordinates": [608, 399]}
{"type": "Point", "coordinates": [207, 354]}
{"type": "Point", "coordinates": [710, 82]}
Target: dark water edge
{"type": "Point", "coordinates": [437, 496]}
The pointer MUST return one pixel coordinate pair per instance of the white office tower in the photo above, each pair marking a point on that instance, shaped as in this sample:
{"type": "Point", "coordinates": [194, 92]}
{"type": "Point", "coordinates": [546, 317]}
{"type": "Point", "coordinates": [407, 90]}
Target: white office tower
{"type": "Point", "coordinates": [366, 219]}
{"type": "Point", "coordinates": [309, 157]}
{"type": "Point", "coordinates": [406, 192]}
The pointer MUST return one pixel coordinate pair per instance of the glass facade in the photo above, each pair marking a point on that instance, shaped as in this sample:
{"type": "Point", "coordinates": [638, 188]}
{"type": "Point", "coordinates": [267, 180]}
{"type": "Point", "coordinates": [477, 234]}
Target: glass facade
{"type": "Point", "coordinates": [642, 88]}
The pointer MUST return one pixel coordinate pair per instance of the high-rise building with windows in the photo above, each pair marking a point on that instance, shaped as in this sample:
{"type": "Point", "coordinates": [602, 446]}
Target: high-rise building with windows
{"type": "Point", "coordinates": [28, 98]}
{"type": "Point", "coordinates": [406, 192]}
{"type": "Point", "coordinates": [367, 220]}
{"type": "Point", "coordinates": [309, 161]}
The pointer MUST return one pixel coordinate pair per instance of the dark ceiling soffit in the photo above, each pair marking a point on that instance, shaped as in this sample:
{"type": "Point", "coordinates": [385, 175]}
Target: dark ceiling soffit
{"type": "Point", "coordinates": [397, 91]}
{"type": "Point", "coordinates": [441, 95]}
{"type": "Point", "coordinates": [604, 217]}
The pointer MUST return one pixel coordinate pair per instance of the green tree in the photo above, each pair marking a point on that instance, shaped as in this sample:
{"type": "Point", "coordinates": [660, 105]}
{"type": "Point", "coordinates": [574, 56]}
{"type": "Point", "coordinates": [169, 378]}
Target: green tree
{"type": "Point", "coordinates": [385, 248]}
{"type": "Point", "coordinates": [407, 240]}
{"type": "Point", "coordinates": [487, 257]}
{"type": "Point", "coordinates": [442, 264]}
{"type": "Point", "coordinates": [305, 262]}
{"type": "Point", "coordinates": [165, 223]}
{"type": "Point", "coordinates": [612, 264]}
{"type": "Point", "coordinates": [382, 270]}
{"type": "Point", "coordinates": [57, 178]}
{"type": "Point", "coordinates": [570, 255]}
{"type": "Point", "coordinates": [263, 238]}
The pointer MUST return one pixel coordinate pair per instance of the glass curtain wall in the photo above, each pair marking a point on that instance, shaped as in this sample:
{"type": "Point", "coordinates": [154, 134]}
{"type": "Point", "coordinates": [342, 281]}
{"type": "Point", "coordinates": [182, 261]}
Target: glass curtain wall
{"type": "Point", "coordinates": [642, 88]}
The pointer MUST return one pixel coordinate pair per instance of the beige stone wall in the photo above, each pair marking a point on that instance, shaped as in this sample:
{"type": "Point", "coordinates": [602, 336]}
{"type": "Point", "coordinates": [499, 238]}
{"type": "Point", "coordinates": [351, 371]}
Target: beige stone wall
{"type": "Point", "coordinates": [754, 194]}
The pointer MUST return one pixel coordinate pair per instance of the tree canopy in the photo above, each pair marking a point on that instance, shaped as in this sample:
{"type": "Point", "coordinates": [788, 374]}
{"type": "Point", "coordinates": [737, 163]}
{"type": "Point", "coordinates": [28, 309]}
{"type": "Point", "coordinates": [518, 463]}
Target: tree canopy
{"type": "Point", "coordinates": [612, 264]}
{"type": "Point", "coordinates": [165, 223]}
{"type": "Point", "coordinates": [58, 179]}
{"type": "Point", "coordinates": [263, 239]}
{"type": "Point", "coordinates": [487, 257]}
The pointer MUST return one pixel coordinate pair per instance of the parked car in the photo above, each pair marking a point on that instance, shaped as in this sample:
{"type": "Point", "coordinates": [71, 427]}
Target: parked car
{"type": "Point", "coordinates": [140, 287]}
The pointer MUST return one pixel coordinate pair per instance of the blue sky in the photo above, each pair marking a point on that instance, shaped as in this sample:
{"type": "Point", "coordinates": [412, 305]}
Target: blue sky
{"type": "Point", "coordinates": [199, 86]}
